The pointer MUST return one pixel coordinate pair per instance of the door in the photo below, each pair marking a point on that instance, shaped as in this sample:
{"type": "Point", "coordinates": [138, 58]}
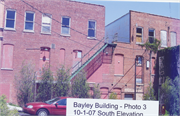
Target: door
{"type": "Point", "coordinates": [60, 109]}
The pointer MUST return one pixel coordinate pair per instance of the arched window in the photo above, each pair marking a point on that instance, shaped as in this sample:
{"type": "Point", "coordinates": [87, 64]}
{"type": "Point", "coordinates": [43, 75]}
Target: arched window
{"type": "Point", "coordinates": [104, 92]}
{"type": "Point", "coordinates": [62, 56]}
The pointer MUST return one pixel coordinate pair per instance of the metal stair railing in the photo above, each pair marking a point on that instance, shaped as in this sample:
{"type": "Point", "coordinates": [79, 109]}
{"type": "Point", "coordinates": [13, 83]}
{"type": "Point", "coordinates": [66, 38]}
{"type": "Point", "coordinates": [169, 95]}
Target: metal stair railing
{"type": "Point", "coordinates": [82, 65]}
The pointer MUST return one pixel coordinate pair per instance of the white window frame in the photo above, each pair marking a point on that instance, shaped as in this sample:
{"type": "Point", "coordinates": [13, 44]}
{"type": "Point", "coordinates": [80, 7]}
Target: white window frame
{"type": "Point", "coordinates": [29, 21]}
{"type": "Point", "coordinates": [64, 34]}
{"type": "Point", "coordinates": [163, 45]}
{"type": "Point", "coordinates": [171, 38]}
{"type": "Point", "coordinates": [92, 29]}
{"type": "Point", "coordinates": [7, 28]}
{"type": "Point", "coordinates": [42, 24]}
{"type": "Point", "coordinates": [141, 36]}
{"type": "Point", "coordinates": [154, 33]}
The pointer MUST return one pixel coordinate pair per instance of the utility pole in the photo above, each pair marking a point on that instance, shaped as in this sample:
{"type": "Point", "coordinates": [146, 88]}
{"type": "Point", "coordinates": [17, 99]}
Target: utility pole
{"type": "Point", "coordinates": [135, 81]}
{"type": "Point", "coordinates": [150, 63]}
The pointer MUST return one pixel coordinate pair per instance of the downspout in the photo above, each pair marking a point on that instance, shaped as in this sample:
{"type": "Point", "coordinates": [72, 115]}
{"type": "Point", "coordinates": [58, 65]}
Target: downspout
{"type": "Point", "coordinates": [150, 64]}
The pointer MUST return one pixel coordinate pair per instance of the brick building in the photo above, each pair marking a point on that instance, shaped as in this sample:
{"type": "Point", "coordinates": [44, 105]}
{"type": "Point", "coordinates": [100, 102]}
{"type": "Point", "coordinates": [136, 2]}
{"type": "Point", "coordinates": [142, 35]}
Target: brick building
{"type": "Point", "coordinates": [72, 34]}
{"type": "Point", "coordinates": [42, 31]}
{"type": "Point", "coordinates": [122, 60]}
{"type": "Point", "coordinates": [128, 32]}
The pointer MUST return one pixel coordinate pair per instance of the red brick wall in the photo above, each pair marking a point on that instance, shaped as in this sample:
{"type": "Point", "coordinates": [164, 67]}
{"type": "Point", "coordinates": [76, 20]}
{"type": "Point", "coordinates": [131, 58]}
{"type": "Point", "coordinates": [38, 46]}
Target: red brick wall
{"type": "Point", "coordinates": [131, 50]}
{"type": "Point", "coordinates": [27, 45]}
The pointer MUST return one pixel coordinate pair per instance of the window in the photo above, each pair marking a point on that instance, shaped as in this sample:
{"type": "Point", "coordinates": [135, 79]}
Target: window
{"type": "Point", "coordinates": [163, 39]}
{"type": "Point", "coordinates": [62, 102]}
{"type": "Point", "coordinates": [65, 26]}
{"type": "Point", "coordinates": [46, 23]}
{"type": "Point", "coordinates": [139, 61]}
{"type": "Point", "coordinates": [139, 37]}
{"type": "Point", "coordinates": [173, 39]}
{"type": "Point", "coordinates": [7, 59]}
{"type": "Point", "coordinates": [10, 19]}
{"type": "Point", "coordinates": [79, 54]}
{"type": "Point", "coordinates": [29, 21]}
{"type": "Point", "coordinates": [139, 70]}
{"type": "Point", "coordinates": [91, 29]}
{"type": "Point", "coordinates": [151, 35]}
{"type": "Point", "coordinates": [128, 96]}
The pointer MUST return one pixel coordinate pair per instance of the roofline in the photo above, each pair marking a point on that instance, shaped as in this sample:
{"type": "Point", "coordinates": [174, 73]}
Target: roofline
{"type": "Point", "coordinates": [153, 14]}
{"type": "Point", "coordinates": [116, 19]}
{"type": "Point", "coordinates": [140, 12]}
{"type": "Point", "coordinates": [85, 3]}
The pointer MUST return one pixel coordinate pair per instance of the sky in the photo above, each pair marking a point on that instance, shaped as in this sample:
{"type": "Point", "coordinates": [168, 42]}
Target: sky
{"type": "Point", "coordinates": [116, 8]}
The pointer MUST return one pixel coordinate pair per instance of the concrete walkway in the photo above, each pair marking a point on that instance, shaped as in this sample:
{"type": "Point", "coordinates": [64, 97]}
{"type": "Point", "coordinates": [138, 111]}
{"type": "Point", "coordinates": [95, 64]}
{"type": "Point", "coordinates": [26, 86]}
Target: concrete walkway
{"type": "Point", "coordinates": [14, 107]}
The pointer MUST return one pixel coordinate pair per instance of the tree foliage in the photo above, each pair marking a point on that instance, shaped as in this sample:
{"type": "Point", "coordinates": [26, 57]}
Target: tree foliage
{"type": "Point", "coordinates": [96, 92]}
{"type": "Point", "coordinates": [62, 85]}
{"type": "Point", "coordinates": [80, 88]}
{"type": "Point", "coordinates": [149, 95]}
{"type": "Point", "coordinates": [45, 90]}
{"type": "Point", "coordinates": [4, 110]}
{"type": "Point", "coordinates": [24, 84]}
{"type": "Point", "coordinates": [113, 96]}
{"type": "Point", "coordinates": [152, 46]}
{"type": "Point", "coordinates": [170, 96]}
{"type": "Point", "coordinates": [165, 91]}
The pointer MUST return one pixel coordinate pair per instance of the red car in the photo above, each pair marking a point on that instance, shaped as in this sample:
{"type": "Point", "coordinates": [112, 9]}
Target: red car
{"type": "Point", "coordinates": [55, 106]}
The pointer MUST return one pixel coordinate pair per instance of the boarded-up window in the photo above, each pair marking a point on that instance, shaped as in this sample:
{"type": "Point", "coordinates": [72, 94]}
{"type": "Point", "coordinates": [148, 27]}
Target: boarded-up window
{"type": "Point", "coordinates": [163, 39]}
{"type": "Point", "coordinates": [139, 36]}
{"type": "Point", "coordinates": [119, 64]}
{"type": "Point", "coordinates": [104, 92]}
{"type": "Point", "coordinates": [44, 57]}
{"type": "Point", "coordinates": [117, 91]}
{"type": "Point", "coordinates": [62, 56]}
{"type": "Point", "coordinates": [173, 39]}
{"type": "Point", "coordinates": [7, 60]}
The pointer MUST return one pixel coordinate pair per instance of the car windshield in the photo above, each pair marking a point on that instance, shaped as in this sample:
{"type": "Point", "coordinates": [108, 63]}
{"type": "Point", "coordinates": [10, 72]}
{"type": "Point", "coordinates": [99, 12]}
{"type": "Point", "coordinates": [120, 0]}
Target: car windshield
{"type": "Point", "coordinates": [52, 100]}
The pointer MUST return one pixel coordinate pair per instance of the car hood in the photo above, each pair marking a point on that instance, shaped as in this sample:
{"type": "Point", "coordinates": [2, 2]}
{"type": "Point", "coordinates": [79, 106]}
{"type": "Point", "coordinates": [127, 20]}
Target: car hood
{"type": "Point", "coordinates": [36, 103]}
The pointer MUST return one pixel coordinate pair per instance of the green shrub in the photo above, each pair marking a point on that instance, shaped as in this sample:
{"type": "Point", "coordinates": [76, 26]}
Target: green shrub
{"type": "Point", "coordinates": [113, 96]}
{"type": "Point", "coordinates": [4, 110]}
